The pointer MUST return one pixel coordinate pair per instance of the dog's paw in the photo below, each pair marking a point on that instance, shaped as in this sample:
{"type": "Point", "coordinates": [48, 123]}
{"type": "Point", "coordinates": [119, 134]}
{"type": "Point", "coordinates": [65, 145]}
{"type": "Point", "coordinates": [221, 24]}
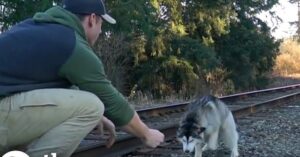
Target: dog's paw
{"type": "Point", "coordinates": [204, 148]}
{"type": "Point", "coordinates": [233, 154]}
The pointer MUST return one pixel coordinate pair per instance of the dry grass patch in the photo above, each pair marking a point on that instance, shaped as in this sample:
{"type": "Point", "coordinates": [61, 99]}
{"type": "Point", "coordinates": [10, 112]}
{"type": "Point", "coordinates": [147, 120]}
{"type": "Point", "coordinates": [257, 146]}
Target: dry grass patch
{"type": "Point", "coordinates": [288, 60]}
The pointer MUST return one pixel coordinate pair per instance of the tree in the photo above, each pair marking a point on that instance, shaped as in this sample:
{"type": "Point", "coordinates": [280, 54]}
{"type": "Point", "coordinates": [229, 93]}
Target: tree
{"type": "Point", "coordinates": [248, 51]}
{"type": "Point", "coordinates": [13, 11]}
{"type": "Point", "coordinates": [297, 23]}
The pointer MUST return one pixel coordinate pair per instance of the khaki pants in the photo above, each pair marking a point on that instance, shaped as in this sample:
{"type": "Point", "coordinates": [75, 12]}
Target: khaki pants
{"type": "Point", "coordinates": [49, 120]}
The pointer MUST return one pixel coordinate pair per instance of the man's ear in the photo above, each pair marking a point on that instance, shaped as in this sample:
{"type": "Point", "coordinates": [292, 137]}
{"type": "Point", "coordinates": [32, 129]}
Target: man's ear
{"type": "Point", "coordinates": [90, 22]}
{"type": "Point", "coordinates": [92, 19]}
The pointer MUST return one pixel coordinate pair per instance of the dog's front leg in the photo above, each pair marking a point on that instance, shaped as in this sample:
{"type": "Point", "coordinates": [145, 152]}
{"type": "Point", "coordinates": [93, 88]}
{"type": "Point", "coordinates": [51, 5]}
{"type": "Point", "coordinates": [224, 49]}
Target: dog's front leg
{"type": "Point", "coordinates": [198, 151]}
{"type": "Point", "coordinates": [212, 143]}
{"type": "Point", "coordinates": [204, 148]}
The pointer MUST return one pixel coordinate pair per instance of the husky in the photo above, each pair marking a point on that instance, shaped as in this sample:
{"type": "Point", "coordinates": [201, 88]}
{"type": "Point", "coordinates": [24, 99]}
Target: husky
{"type": "Point", "coordinates": [205, 121]}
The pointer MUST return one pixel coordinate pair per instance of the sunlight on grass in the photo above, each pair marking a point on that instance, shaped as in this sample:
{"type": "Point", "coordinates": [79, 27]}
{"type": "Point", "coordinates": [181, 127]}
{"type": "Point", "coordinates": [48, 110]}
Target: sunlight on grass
{"type": "Point", "coordinates": [288, 61]}
{"type": "Point", "coordinates": [287, 66]}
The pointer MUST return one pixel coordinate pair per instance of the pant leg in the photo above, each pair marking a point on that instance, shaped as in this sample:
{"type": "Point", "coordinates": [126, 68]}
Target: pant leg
{"type": "Point", "coordinates": [3, 132]}
{"type": "Point", "coordinates": [56, 119]}
{"type": "Point", "coordinates": [4, 111]}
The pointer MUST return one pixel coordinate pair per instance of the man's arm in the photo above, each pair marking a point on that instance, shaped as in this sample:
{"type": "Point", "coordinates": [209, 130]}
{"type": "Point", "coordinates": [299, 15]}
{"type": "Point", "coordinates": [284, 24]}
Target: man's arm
{"type": "Point", "coordinates": [150, 137]}
{"type": "Point", "coordinates": [85, 70]}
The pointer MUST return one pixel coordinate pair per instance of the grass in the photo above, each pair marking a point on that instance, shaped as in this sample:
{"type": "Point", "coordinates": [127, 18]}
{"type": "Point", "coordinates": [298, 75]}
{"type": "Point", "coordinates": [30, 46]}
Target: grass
{"type": "Point", "coordinates": [287, 67]}
{"type": "Point", "coordinates": [288, 60]}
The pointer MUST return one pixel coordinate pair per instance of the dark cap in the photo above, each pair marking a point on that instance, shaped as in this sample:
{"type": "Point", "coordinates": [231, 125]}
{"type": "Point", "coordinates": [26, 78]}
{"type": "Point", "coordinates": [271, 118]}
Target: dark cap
{"type": "Point", "coordinates": [88, 7]}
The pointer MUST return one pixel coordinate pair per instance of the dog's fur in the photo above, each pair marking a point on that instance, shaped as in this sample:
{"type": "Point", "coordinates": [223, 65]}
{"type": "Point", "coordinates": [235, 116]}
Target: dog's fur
{"type": "Point", "coordinates": [206, 119]}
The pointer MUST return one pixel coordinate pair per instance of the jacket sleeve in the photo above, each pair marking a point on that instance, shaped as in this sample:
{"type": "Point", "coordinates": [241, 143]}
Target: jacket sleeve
{"type": "Point", "coordinates": [85, 70]}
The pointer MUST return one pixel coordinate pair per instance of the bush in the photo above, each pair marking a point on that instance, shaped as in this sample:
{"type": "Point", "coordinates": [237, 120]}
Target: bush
{"type": "Point", "coordinates": [288, 60]}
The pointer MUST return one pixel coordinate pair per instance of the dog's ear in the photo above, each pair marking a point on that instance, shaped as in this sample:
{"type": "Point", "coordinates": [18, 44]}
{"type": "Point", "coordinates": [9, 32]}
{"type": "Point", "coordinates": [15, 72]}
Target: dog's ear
{"type": "Point", "coordinates": [179, 133]}
{"type": "Point", "coordinates": [210, 105]}
{"type": "Point", "coordinates": [201, 130]}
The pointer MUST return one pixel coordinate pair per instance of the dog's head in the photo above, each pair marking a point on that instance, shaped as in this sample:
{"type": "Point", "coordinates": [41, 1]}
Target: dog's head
{"type": "Point", "coordinates": [190, 134]}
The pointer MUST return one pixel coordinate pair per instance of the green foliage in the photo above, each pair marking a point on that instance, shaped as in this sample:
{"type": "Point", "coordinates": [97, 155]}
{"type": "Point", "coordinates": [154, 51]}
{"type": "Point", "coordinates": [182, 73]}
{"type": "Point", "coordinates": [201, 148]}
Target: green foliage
{"type": "Point", "coordinates": [206, 20]}
{"type": "Point", "coordinates": [196, 53]}
{"type": "Point", "coordinates": [165, 75]}
{"type": "Point", "coordinates": [185, 61]}
{"type": "Point", "coordinates": [12, 11]}
{"type": "Point", "coordinates": [255, 6]}
{"type": "Point", "coordinates": [133, 16]}
{"type": "Point", "coordinates": [248, 53]}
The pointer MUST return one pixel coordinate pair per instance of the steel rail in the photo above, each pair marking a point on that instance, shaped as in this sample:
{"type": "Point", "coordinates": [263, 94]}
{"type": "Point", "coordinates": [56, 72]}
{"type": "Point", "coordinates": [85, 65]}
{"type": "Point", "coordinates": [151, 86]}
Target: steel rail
{"type": "Point", "coordinates": [157, 111]}
{"type": "Point", "coordinates": [257, 92]}
{"type": "Point", "coordinates": [129, 143]}
{"type": "Point", "coordinates": [122, 146]}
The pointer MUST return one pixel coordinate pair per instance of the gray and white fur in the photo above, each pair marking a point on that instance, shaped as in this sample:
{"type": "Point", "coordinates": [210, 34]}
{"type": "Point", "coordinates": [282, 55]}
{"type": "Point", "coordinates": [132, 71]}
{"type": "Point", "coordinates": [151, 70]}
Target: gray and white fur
{"type": "Point", "coordinates": [207, 119]}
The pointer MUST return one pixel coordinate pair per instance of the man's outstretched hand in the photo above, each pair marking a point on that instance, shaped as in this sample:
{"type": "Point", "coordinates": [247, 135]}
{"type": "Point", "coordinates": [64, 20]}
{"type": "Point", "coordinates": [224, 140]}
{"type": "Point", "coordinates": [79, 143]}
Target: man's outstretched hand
{"type": "Point", "coordinates": [153, 138]}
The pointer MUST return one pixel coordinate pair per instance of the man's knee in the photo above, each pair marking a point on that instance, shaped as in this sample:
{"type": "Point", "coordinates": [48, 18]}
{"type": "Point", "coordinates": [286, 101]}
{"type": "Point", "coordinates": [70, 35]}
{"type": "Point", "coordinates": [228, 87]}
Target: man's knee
{"type": "Point", "coordinates": [91, 104]}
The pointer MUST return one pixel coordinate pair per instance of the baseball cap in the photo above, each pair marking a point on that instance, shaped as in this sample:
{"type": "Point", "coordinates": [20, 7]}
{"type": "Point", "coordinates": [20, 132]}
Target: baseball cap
{"type": "Point", "coordinates": [88, 7]}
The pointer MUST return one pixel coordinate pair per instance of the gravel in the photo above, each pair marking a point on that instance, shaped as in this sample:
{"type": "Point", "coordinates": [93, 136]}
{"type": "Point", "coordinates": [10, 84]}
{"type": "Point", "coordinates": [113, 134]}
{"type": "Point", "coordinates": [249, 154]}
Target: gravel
{"type": "Point", "coordinates": [271, 133]}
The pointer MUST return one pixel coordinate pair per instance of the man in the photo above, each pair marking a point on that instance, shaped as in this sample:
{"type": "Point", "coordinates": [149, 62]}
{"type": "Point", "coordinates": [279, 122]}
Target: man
{"type": "Point", "coordinates": [40, 59]}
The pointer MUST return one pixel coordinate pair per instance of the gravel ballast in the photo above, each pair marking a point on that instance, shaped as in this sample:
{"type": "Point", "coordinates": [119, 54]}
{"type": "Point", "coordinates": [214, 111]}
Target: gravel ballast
{"type": "Point", "coordinates": [271, 132]}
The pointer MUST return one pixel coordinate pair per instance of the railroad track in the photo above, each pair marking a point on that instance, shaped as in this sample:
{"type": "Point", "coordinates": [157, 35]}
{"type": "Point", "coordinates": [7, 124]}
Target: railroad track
{"type": "Point", "coordinates": [166, 118]}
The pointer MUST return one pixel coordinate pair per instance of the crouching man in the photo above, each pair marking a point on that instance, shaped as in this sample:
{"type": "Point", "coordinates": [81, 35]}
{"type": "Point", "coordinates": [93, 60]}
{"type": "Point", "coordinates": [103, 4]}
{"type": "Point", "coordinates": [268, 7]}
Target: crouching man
{"type": "Point", "coordinates": [43, 56]}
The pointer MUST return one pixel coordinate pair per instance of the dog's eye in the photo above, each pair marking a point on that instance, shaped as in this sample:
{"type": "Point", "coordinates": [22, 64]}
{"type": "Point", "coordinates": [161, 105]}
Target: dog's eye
{"type": "Point", "coordinates": [202, 129]}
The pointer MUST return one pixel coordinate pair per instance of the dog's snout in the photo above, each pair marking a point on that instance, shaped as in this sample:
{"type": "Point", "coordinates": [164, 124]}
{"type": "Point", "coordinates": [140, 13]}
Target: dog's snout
{"type": "Point", "coordinates": [187, 151]}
